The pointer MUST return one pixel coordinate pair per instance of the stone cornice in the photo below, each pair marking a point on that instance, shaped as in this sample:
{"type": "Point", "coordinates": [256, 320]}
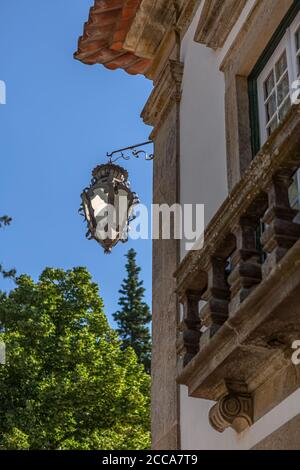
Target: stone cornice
{"type": "Point", "coordinates": [152, 21]}
{"type": "Point", "coordinates": [166, 92]}
{"type": "Point", "coordinates": [105, 33]}
{"type": "Point", "coordinates": [132, 34]}
{"type": "Point", "coordinates": [263, 19]}
{"type": "Point", "coordinates": [217, 20]}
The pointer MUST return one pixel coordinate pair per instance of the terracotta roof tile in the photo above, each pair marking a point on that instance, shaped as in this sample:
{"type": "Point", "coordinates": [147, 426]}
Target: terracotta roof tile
{"type": "Point", "coordinates": [104, 36]}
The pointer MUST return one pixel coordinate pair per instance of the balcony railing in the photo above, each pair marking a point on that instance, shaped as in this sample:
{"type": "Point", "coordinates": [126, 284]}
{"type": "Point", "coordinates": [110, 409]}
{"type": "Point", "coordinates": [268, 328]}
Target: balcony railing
{"type": "Point", "coordinates": [237, 290]}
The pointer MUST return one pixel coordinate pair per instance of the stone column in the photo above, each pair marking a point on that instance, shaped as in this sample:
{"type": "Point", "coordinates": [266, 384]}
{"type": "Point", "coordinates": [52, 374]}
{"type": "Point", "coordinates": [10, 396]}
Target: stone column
{"type": "Point", "coordinates": [162, 112]}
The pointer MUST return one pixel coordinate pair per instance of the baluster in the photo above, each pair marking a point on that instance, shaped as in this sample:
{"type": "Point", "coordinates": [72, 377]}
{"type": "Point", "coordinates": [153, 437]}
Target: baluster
{"type": "Point", "coordinates": [217, 295]}
{"type": "Point", "coordinates": [190, 326]}
{"type": "Point", "coordinates": [246, 272]}
{"type": "Point", "coordinates": [281, 232]}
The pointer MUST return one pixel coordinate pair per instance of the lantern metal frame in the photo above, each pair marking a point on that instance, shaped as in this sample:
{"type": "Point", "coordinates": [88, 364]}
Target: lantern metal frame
{"type": "Point", "coordinates": [111, 179]}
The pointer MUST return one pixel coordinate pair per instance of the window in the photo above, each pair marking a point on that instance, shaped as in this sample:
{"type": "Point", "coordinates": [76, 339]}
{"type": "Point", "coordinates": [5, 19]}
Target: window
{"type": "Point", "coordinates": [271, 79]}
{"type": "Point", "coordinates": [274, 84]}
{"type": "Point", "coordinates": [270, 86]}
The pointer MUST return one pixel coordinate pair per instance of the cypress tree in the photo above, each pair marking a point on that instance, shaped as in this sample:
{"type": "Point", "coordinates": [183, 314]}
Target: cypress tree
{"type": "Point", "coordinates": [134, 315]}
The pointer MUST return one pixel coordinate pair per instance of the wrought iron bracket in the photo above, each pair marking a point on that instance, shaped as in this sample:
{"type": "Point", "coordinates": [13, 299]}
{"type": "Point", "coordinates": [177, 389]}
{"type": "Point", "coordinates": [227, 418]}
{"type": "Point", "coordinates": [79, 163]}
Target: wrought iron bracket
{"type": "Point", "coordinates": [134, 152]}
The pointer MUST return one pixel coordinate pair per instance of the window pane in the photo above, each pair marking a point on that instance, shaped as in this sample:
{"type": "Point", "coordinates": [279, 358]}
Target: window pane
{"type": "Point", "coordinates": [284, 109]}
{"type": "Point", "coordinates": [271, 107]}
{"type": "Point", "coordinates": [281, 66]}
{"type": "Point", "coordinates": [283, 89]}
{"type": "Point", "coordinates": [269, 84]}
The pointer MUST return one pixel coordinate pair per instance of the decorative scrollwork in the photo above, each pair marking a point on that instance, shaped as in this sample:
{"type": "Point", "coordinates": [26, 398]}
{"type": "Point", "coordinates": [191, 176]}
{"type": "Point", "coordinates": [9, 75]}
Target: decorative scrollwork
{"type": "Point", "coordinates": [135, 153]}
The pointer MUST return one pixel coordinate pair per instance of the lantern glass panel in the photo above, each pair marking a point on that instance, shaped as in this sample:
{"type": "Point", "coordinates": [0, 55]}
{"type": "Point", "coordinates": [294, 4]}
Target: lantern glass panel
{"type": "Point", "coordinates": [98, 201]}
{"type": "Point", "coordinates": [108, 205]}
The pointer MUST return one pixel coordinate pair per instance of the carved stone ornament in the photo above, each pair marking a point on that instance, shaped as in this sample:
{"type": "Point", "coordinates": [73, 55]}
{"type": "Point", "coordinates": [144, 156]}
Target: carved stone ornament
{"type": "Point", "coordinates": [235, 411]}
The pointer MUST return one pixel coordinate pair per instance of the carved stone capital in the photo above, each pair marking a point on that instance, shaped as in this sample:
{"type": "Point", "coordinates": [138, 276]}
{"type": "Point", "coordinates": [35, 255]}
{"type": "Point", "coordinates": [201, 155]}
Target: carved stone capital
{"type": "Point", "coordinates": [166, 92]}
{"type": "Point", "coordinates": [233, 410]}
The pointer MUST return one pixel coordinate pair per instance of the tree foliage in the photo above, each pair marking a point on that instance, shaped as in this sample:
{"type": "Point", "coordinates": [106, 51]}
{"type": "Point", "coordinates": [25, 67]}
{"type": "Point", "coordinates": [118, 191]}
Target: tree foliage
{"type": "Point", "coordinates": [4, 221]}
{"type": "Point", "coordinates": [67, 384]}
{"type": "Point", "coordinates": [134, 315]}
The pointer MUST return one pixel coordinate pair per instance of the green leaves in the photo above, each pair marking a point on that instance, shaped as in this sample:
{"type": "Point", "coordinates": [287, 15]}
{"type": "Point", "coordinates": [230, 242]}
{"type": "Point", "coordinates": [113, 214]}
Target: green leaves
{"type": "Point", "coordinates": [5, 220]}
{"type": "Point", "coordinates": [67, 383]}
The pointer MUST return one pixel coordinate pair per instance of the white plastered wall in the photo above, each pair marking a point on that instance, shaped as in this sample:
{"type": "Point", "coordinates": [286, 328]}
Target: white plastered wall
{"type": "Point", "coordinates": [203, 174]}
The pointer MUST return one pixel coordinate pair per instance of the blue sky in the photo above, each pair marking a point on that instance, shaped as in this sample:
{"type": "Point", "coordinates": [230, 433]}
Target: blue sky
{"type": "Point", "coordinates": [60, 119]}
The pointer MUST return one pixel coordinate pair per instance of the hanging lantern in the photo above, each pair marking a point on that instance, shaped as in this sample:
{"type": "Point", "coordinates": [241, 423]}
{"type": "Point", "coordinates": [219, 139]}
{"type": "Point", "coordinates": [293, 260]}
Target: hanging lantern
{"type": "Point", "coordinates": [107, 205]}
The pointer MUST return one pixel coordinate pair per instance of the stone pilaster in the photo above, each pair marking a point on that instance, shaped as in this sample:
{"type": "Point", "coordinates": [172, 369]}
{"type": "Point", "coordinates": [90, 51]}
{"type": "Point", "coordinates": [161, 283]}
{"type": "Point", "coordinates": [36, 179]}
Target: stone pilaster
{"type": "Point", "coordinates": [162, 112]}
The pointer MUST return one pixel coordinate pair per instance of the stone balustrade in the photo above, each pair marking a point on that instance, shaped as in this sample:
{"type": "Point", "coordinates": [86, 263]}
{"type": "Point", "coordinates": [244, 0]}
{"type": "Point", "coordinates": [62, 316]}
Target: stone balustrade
{"type": "Point", "coordinates": [244, 245]}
